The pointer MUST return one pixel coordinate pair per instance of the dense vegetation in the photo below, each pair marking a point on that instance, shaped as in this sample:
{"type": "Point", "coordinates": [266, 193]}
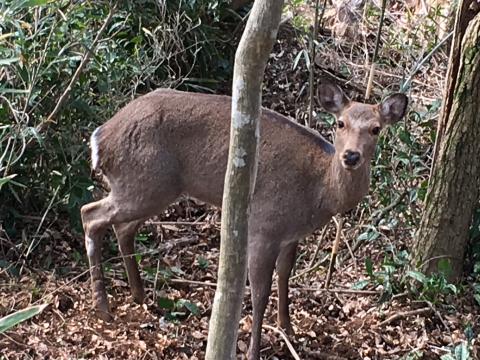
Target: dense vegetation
{"type": "Point", "coordinates": [44, 165]}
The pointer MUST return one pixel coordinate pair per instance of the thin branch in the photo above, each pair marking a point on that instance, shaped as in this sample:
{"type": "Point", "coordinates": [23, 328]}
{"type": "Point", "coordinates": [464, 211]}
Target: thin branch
{"type": "Point", "coordinates": [274, 288]}
{"type": "Point", "coordinates": [317, 250]}
{"type": "Point", "coordinates": [338, 291]}
{"type": "Point", "coordinates": [424, 60]}
{"type": "Point", "coordinates": [377, 214]}
{"type": "Point", "coordinates": [312, 62]}
{"type": "Point", "coordinates": [336, 244]}
{"type": "Point", "coordinates": [430, 305]}
{"type": "Point", "coordinates": [63, 98]}
{"type": "Point", "coordinates": [375, 52]}
{"type": "Point", "coordinates": [404, 314]}
{"type": "Point", "coordinates": [183, 223]}
{"type": "Point", "coordinates": [285, 338]}
{"type": "Point", "coordinates": [310, 269]}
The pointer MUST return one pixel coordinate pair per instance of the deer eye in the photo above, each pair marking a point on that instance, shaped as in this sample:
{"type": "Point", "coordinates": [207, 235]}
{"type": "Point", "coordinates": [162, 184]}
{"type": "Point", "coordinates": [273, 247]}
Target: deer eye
{"type": "Point", "coordinates": [376, 130]}
{"type": "Point", "coordinates": [340, 124]}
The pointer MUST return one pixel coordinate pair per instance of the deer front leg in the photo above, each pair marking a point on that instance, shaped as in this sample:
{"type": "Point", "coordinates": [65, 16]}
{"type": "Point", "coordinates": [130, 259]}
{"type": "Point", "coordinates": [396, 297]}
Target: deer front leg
{"type": "Point", "coordinates": [261, 263]}
{"type": "Point", "coordinates": [285, 262]}
{"type": "Point", "coordinates": [125, 233]}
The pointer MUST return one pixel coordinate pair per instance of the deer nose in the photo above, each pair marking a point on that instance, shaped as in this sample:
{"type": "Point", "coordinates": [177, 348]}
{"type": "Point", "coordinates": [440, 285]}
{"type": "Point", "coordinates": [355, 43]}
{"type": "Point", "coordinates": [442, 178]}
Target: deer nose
{"type": "Point", "coordinates": [351, 157]}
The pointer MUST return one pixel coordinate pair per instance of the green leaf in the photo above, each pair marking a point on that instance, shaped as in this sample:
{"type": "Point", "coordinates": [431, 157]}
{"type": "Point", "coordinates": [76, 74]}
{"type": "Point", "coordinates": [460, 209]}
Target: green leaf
{"type": "Point", "coordinates": [452, 288]}
{"type": "Point", "coordinates": [16, 318]}
{"type": "Point", "coordinates": [176, 270]}
{"type": "Point", "coordinates": [12, 91]}
{"type": "Point", "coordinates": [189, 306]}
{"type": "Point", "coordinates": [477, 298]}
{"type": "Point", "coordinates": [461, 352]}
{"type": "Point", "coordinates": [369, 235]}
{"type": "Point", "coordinates": [447, 357]}
{"type": "Point", "coordinates": [30, 3]}
{"type": "Point", "coordinates": [34, 132]}
{"type": "Point", "coordinates": [166, 303]}
{"type": "Point", "coordinates": [8, 61]}
{"type": "Point", "coordinates": [369, 266]}
{"type": "Point", "coordinates": [417, 275]}
{"type": "Point", "coordinates": [444, 267]}
{"type": "Point", "coordinates": [6, 179]}
{"type": "Point", "coordinates": [202, 262]}
{"type": "Point", "coordinates": [359, 285]}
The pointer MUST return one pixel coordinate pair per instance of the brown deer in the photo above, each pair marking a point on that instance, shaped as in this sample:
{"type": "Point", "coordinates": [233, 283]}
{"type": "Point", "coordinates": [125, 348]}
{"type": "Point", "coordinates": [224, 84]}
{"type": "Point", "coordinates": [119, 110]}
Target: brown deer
{"type": "Point", "coordinates": [170, 143]}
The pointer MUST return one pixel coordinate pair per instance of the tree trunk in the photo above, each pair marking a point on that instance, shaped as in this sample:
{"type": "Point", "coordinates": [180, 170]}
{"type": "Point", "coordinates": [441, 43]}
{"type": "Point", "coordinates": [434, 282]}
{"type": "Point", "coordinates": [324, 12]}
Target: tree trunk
{"type": "Point", "coordinates": [454, 185]}
{"type": "Point", "coordinates": [250, 61]}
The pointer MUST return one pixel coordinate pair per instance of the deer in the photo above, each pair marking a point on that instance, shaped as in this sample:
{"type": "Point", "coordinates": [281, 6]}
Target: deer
{"type": "Point", "coordinates": [168, 143]}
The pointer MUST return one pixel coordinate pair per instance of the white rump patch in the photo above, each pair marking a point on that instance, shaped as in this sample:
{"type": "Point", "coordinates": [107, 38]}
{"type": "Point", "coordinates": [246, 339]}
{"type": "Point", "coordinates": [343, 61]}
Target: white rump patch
{"type": "Point", "coordinates": [94, 147]}
{"type": "Point", "coordinates": [90, 246]}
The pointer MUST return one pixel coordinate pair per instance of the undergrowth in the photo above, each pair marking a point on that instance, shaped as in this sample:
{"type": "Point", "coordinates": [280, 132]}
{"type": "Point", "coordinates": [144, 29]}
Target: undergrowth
{"type": "Point", "coordinates": [44, 167]}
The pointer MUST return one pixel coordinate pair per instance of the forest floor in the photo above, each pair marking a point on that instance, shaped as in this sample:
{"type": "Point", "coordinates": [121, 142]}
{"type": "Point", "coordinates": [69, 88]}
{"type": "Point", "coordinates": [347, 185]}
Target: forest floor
{"type": "Point", "coordinates": [172, 324]}
{"type": "Point", "coordinates": [178, 255]}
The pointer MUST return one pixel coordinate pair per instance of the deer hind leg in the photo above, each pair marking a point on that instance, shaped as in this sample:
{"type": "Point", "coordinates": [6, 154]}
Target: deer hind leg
{"type": "Point", "coordinates": [114, 210]}
{"type": "Point", "coordinates": [96, 218]}
{"type": "Point", "coordinates": [125, 233]}
{"type": "Point", "coordinates": [261, 263]}
{"type": "Point", "coordinates": [285, 262]}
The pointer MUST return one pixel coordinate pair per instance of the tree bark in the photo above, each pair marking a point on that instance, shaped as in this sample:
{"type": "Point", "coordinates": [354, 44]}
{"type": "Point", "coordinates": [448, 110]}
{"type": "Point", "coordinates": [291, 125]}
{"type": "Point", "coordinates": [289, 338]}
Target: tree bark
{"type": "Point", "coordinates": [464, 15]}
{"type": "Point", "coordinates": [238, 4]}
{"type": "Point", "coordinates": [454, 185]}
{"type": "Point", "coordinates": [250, 61]}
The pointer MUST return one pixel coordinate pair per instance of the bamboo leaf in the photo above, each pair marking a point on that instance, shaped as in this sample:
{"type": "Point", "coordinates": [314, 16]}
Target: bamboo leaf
{"type": "Point", "coordinates": [16, 318]}
{"type": "Point", "coordinates": [31, 3]}
{"type": "Point", "coordinates": [9, 61]}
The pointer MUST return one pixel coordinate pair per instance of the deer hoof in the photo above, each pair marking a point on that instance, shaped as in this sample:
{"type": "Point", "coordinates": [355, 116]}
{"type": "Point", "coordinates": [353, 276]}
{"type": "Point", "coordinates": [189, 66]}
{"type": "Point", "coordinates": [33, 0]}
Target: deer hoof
{"type": "Point", "coordinates": [102, 310]}
{"type": "Point", "coordinates": [138, 296]}
{"type": "Point", "coordinates": [287, 327]}
{"type": "Point", "coordinates": [104, 315]}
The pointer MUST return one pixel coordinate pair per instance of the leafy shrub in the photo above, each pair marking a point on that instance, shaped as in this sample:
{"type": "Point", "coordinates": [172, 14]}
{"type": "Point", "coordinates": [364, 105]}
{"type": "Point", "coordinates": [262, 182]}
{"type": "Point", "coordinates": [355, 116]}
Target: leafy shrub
{"type": "Point", "coordinates": [147, 44]}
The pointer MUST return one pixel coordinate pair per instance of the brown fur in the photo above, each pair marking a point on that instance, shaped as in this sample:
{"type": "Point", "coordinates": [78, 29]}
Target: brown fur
{"type": "Point", "coordinates": [170, 143]}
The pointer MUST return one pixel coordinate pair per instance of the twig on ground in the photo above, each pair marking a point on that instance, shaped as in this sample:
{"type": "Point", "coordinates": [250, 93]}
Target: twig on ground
{"type": "Point", "coordinates": [339, 291]}
{"type": "Point", "coordinates": [331, 267]}
{"type": "Point", "coordinates": [191, 282]}
{"type": "Point", "coordinates": [155, 281]}
{"type": "Point", "coordinates": [285, 338]}
{"type": "Point", "coordinates": [310, 269]}
{"type": "Point", "coordinates": [377, 214]}
{"type": "Point", "coordinates": [317, 250]}
{"type": "Point", "coordinates": [398, 296]}
{"type": "Point", "coordinates": [183, 223]}
{"type": "Point", "coordinates": [430, 305]}
{"type": "Point", "coordinates": [375, 218]}
{"type": "Point", "coordinates": [324, 356]}
{"type": "Point", "coordinates": [50, 293]}
{"type": "Point", "coordinates": [404, 314]}
{"type": "Point", "coordinates": [355, 265]}
{"type": "Point", "coordinates": [274, 288]}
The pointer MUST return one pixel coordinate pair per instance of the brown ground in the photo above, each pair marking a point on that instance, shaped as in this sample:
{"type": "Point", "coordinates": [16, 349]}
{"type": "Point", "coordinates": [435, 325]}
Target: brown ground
{"type": "Point", "coordinates": [326, 324]}
{"type": "Point", "coordinates": [180, 262]}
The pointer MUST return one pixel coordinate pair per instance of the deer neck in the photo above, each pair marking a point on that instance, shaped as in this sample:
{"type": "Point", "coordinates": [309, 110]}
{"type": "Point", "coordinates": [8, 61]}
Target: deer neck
{"type": "Point", "coordinates": [347, 187]}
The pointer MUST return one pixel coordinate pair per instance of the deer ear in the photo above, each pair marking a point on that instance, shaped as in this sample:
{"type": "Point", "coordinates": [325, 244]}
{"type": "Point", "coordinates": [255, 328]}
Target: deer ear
{"type": "Point", "coordinates": [331, 97]}
{"type": "Point", "coordinates": [393, 108]}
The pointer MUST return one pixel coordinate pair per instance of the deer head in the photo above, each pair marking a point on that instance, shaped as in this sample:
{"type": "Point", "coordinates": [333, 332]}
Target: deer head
{"type": "Point", "coordinates": [358, 124]}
